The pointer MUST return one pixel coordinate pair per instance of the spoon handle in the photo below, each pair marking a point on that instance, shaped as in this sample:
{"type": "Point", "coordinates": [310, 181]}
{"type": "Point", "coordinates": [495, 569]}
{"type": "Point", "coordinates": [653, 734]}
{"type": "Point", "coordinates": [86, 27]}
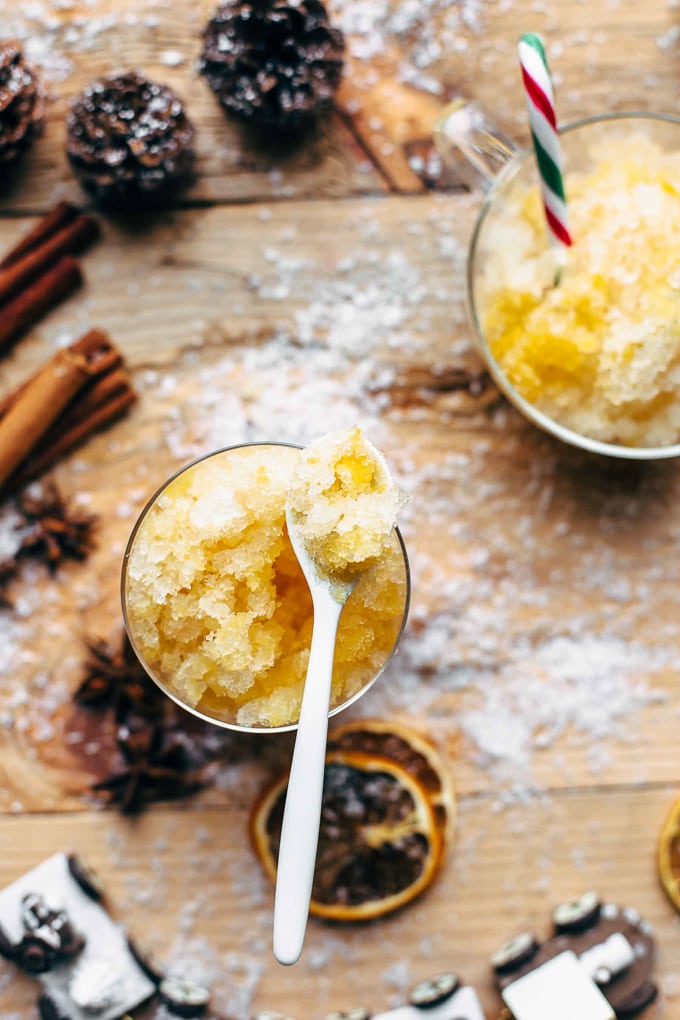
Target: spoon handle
{"type": "Point", "coordinates": [301, 816]}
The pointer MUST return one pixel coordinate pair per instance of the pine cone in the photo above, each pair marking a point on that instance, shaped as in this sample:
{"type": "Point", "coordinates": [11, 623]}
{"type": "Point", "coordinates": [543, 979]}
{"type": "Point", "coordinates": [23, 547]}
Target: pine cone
{"type": "Point", "coordinates": [22, 102]}
{"type": "Point", "coordinates": [129, 139]}
{"type": "Point", "coordinates": [274, 62]}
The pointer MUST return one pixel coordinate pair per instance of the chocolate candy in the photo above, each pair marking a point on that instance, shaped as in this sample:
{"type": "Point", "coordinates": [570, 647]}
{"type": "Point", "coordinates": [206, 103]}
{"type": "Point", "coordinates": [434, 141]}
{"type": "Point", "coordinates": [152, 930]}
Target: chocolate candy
{"type": "Point", "coordinates": [442, 997]}
{"type": "Point", "coordinates": [434, 991]}
{"type": "Point", "coordinates": [7, 947]}
{"type": "Point", "coordinates": [34, 912]}
{"type": "Point", "coordinates": [50, 1009]}
{"type": "Point", "coordinates": [70, 941]}
{"type": "Point", "coordinates": [86, 877]}
{"type": "Point", "coordinates": [638, 1000]}
{"type": "Point", "coordinates": [577, 915]}
{"type": "Point", "coordinates": [52, 927]}
{"type": "Point", "coordinates": [356, 1013]}
{"type": "Point", "coordinates": [514, 953]}
{"type": "Point", "coordinates": [45, 915]}
{"type": "Point", "coordinates": [615, 948]}
{"type": "Point", "coordinates": [184, 997]}
{"type": "Point", "coordinates": [37, 951]}
{"type": "Point", "coordinates": [152, 967]}
{"type": "Point", "coordinates": [560, 987]}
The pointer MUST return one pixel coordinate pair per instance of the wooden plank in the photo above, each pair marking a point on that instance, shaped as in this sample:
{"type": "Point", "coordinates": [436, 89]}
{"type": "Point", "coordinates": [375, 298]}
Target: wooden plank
{"type": "Point", "coordinates": [233, 164]}
{"type": "Point", "coordinates": [615, 57]}
{"type": "Point", "coordinates": [532, 658]}
{"type": "Point", "coordinates": [187, 882]}
{"type": "Point", "coordinates": [532, 655]}
{"type": "Point", "coordinates": [604, 57]}
{"type": "Point", "coordinates": [623, 57]}
{"type": "Point", "coordinates": [389, 117]}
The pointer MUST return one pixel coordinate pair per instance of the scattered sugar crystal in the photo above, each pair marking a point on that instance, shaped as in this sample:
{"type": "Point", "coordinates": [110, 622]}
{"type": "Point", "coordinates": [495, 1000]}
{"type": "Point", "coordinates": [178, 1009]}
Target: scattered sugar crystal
{"type": "Point", "coordinates": [397, 978]}
{"type": "Point", "coordinates": [670, 986]}
{"type": "Point", "coordinates": [232, 977]}
{"type": "Point", "coordinates": [296, 387]}
{"type": "Point", "coordinates": [668, 39]}
{"type": "Point", "coordinates": [172, 58]}
{"type": "Point", "coordinates": [424, 29]}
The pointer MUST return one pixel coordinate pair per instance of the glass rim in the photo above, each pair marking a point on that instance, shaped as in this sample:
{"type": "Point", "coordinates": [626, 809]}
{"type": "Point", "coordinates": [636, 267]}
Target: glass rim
{"type": "Point", "coordinates": [538, 417]}
{"type": "Point", "coordinates": [193, 710]}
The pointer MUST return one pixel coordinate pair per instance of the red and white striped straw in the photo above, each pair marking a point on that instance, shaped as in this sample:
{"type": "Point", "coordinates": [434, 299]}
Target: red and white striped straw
{"type": "Point", "coordinates": [543, 124]}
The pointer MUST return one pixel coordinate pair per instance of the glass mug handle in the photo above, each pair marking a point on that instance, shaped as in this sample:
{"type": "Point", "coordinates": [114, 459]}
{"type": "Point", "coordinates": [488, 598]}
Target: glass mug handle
{"type": "Point", "coordinates": [471, 144]}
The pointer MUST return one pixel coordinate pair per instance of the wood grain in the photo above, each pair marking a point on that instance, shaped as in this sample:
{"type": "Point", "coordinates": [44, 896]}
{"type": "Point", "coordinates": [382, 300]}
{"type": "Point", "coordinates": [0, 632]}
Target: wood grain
{"type": "Point", "coordinates": [185, 880]}
{"type": "Point", "coordinates": [232, 164]}
{"type": "Point", "coordinates": [520, 547]}
{"type": "Point", "coordinates": [622, 57]}
{"type": "Point", "coordinates": [593, 525]}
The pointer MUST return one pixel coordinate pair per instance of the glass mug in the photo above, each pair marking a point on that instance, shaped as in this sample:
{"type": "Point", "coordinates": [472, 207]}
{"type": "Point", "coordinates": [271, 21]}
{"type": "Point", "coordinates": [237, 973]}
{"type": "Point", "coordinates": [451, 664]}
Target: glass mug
{"type": "Point", "coordinates": [212, 714]}
{"type": "Point", "coordinates": [483, 155]}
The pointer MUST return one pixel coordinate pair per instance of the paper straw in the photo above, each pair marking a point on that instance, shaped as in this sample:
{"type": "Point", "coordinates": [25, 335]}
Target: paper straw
{"type": "Point", "coordinates": [543, 124]}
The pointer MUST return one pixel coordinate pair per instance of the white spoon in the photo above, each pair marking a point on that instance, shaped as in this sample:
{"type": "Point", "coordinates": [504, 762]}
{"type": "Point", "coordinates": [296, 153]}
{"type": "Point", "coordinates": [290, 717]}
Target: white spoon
{"type": "Point", "coordinates": [302, 813]}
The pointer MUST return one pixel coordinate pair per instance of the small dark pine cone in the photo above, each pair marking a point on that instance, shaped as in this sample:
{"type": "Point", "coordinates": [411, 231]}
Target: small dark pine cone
{"type": "Point", "coordinates": [22, 103]}
{"type": "Point", "coordinates": [129, 140]}
{"type": "Point", "coordinates": [276, 63]}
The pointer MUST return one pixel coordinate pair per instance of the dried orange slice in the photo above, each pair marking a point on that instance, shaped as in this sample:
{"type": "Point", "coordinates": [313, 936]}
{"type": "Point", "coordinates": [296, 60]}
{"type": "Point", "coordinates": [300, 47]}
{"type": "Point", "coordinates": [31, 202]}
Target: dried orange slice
{"type": "Point", "coordinates": [379, 842]}
{"type": "Point", "coordinates": [668, 856]}
{"type": "Point", "coordinates": [407, 748]}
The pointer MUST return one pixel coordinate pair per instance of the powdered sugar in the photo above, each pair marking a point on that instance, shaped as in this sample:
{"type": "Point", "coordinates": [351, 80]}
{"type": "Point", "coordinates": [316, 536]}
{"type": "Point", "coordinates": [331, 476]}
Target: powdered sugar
{"type": "Point", "coordinates": [589, 685]}
{"type": "Point", "coordinates": [531, 635]}
{"type": "Point", "coordinates": [486, 653]}
{"type": "Point", "coordinates": [172, 58]}
{"type": "Point", "coordinates": [426, 29]}
{"type": "Point", "coordinates": [54, 32]}
{"type": "Point", "coordinates": [370, 301]}
{"type": "Point", "coordinates": [232, 976]}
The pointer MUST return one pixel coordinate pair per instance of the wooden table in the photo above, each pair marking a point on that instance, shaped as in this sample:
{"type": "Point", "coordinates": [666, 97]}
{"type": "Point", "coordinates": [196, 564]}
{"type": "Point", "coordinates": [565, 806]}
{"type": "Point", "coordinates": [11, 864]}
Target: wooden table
{"type": "Point", "coordinates": [289, 293]}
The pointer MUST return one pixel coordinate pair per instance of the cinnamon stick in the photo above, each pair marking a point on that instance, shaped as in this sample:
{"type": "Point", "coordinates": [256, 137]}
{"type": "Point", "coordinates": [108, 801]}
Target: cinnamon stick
{"type": "Point", "coordinates": [41, 402]}
{"type": "Point", "coordinates": [93, 344]}
{"type": "Point", "coordinates": [31, 266]}
{"type": "Point", "coordinates": [106, 393]}
{"type": "Point", "coordinates": [58, 217]}
{"type": "Point", "coordinates": [48, 456]}
{"type": "Point", "coordinates": [30, 304]}
{"type": "Point", "coordinates": [90, 400]}
{"type": "Point", "coordinates": [97, 349]}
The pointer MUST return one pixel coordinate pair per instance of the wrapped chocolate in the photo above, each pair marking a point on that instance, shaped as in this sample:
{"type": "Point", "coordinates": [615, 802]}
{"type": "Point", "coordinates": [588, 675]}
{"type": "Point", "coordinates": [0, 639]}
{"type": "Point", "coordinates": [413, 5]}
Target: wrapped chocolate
{"type": "Point", "coordinates": [55, 927]}
{"type": "Point", "coordinates": [597, 965]}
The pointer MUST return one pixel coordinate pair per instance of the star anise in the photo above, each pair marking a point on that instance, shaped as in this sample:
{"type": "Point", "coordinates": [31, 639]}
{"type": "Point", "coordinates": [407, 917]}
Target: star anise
{"type": "Point", "coordinates": [54, 531]}
{"type": "Point", "coordinates": [155, 768]}
{"type": "Point", "coordinates": [114, 678]}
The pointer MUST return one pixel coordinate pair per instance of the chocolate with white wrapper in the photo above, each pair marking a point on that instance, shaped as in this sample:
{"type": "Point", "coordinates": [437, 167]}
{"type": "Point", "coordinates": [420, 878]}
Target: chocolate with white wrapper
{"type": "Point", "coordinates": [597, 965]}
{"type": "Point", "coordinates": [79, 954]}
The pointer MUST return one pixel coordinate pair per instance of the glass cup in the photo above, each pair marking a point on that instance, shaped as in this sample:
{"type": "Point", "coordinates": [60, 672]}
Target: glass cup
{"type": "Point", "coordinates": [484, 156]}
{"type": "Point", "coordinates": [214, 716]}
